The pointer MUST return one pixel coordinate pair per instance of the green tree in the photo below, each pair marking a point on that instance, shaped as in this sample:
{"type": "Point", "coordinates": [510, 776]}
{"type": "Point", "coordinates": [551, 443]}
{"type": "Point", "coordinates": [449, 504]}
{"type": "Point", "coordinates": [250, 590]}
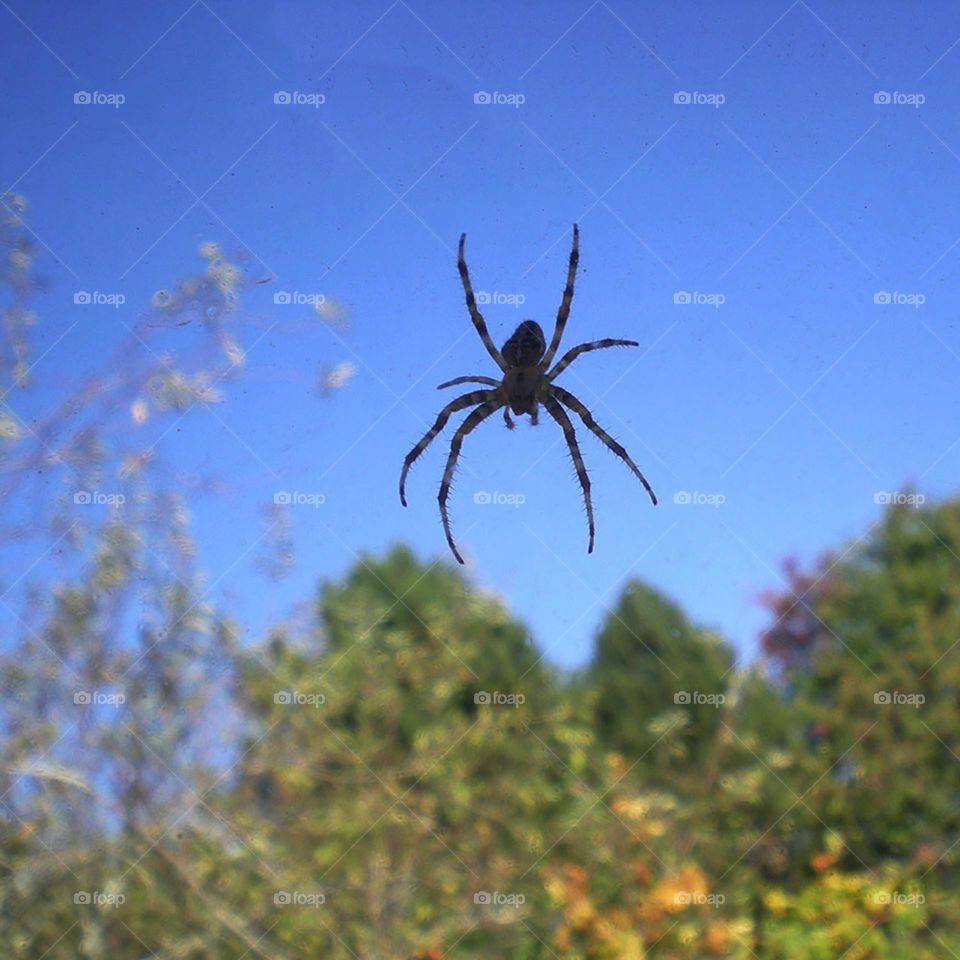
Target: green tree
{"type": "Point", "coordinates": [114, 664]}
{"type": "Point", "coordinates": [410, 757]}
{"type": "Point", "coordinates": [867, 645]}
{"type": "Point", "coordinates": [658, 682]}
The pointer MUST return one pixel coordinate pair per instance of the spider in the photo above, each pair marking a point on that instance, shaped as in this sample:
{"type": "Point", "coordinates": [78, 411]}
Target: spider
{"type": "Point", "coordinates": [527, 382]}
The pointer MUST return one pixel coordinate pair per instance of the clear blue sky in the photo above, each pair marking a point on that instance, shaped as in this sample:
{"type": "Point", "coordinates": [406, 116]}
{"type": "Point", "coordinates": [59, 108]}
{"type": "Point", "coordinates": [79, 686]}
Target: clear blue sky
{"type": "Point", "coordinates": [797, 199]}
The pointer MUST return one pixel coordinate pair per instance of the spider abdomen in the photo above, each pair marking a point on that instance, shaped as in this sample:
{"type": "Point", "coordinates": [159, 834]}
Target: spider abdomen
{"type": "Point", "coordinates": [526, 346]}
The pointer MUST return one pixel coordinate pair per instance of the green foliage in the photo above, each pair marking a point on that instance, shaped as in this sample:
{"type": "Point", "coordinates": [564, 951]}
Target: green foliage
{"type": "Point", "coordinates": [879, 696]}
{"type": "Point", "coordinates": [418, 758]}
{"type": "Point", "coordinates": [378, 800]}
{"type": "Point", "coordinates": [659, 682]}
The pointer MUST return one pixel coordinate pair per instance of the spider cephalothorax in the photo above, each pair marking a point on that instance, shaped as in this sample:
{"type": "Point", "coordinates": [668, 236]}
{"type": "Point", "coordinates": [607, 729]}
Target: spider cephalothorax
{"type": "Point", "coordinates": [526, 383]}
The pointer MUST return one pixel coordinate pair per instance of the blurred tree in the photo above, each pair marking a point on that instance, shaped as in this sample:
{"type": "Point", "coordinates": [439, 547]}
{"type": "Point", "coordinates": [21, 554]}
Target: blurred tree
{"type": "Point", "coordinates": [868, 648]}
{"type": "Point", "coordinates": [115, 663]}
{"type": "Point", "coordinates": [659, 682]}
{"type": "Point", "coordinates": [411, 762]}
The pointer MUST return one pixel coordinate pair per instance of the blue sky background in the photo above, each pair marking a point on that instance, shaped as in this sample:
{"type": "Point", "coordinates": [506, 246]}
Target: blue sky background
{"type": "Point", "coordinates": [798, 199]}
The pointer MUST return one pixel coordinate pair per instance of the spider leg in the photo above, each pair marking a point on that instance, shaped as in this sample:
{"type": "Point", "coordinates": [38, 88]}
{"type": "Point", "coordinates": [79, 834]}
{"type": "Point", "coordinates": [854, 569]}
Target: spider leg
{"type": "Point", "coordinates": [560, 415]}
{"type": "Point", "coordinates": [564, 310]}
{"type": "Point", "coordinates": [575, 352]}
{"type": "Point", "coordinates": [489, 381]}
{"type": "Point", "coordinates": [578, 407]}
{"type": "Point", "coordinates": [473, 420]}
{"type": "Point", "coordinates": [467, 400]}
{"type": "Point", "coordinates": [475, 314]}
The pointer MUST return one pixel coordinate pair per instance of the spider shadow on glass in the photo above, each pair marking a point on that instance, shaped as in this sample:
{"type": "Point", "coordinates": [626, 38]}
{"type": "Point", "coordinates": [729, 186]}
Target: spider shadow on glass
{"type": "Point", "coordinates": [526, 383]}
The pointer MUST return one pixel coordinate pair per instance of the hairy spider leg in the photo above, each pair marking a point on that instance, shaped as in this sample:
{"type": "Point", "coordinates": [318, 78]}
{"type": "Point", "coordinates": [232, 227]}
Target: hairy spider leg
{"type": "Point", "coordinates": [467, 400]}
{"type": "Point", "coordinates": [575, 352]}
{"type": "Point", "coordinates": [468, 425]}
{"type": "Point", "coordinates": [564, 310]}
{"type": "Point", "coordinates": [475, 314]}
{"type": "Point", "coordinates": [560, 415]}
{"type": "Point", "coordinates": [578, 407]}
{"type": "Point", "coordinates": [489, 381]}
